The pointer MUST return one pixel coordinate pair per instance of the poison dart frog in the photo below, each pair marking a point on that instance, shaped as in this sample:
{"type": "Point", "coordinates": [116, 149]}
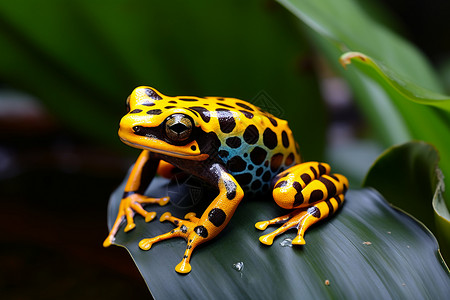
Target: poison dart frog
{"type": "Point", "coordinates": [234, 146]}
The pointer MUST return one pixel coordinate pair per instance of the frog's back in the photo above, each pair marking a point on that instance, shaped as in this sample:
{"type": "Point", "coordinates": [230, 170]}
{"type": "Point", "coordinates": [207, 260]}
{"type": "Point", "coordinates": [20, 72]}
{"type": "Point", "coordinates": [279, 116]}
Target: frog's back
{"type": "Point", "coordinates": [255, 145]}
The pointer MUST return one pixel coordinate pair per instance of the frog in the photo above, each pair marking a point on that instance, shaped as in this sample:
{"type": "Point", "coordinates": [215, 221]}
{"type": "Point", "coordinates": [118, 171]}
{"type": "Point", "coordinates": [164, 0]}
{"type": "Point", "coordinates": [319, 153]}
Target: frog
{"type": "Point", "coordinates": [233, 146]}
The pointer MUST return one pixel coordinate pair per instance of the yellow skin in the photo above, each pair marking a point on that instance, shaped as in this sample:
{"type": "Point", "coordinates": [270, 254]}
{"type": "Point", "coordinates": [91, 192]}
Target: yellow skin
{"type": "Point", "coordinates": [234, 146]}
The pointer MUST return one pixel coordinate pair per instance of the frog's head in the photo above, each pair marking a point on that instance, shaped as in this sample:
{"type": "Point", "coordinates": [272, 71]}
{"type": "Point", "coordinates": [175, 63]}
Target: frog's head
{"type": "Point", "coordinates": [158, 123]}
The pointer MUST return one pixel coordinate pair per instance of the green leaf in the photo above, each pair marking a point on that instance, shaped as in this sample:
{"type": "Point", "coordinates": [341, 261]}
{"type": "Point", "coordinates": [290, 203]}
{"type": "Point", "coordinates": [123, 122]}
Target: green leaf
{"type": "Point", "coordinates": [376, 105]}
{"type": "Point", "coordinates": [394, 71]}
{"type": "Point", "coordinates": [382, 73]}
{"type": "Point", "coordinates": [350, 28]}
{"type": "Point", "coordinates": [408, 177]}
{"type": "Point", "coordinates": [442, 216]}
{"type": "Point", "coordinates": [367, 250]}
{"type": "Point", "coordinates": [433, 109]}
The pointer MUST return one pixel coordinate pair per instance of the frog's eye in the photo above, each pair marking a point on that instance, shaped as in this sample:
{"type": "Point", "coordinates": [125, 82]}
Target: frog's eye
{"type": "Point", "coordinates": [127, 103]}
{"type": "Point", "coordinates": [178, 127]}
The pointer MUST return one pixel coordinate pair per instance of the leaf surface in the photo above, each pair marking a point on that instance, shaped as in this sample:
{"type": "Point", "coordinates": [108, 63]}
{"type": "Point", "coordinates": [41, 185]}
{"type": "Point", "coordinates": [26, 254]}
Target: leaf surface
{"type": "Point", "coordinates": [368, 250]}
{"type": "Point", "coordinates": [409, 177]}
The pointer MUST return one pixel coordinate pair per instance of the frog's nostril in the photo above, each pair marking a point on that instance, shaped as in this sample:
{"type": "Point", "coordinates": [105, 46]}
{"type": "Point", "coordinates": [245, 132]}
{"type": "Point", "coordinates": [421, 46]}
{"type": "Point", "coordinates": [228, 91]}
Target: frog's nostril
{"type": "Point", "coordinates": [137, 129]}
{"type": "Point", "coordinates": [142, 131]}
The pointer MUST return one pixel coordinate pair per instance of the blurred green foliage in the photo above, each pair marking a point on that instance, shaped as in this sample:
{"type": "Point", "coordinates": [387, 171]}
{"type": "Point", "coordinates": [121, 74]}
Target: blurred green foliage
{"type": "Point", "coordinates": [83, 58]}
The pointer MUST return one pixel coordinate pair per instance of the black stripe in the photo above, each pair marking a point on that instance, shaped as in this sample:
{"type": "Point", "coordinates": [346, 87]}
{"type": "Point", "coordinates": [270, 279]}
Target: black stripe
{"type": "Point", "coordinates": [297, 186]}
{"type": "Point", "coordinates": [195, 113]}
{"type": "Point", "coordinates": [188, 99]}
{"type": "Point", "coordinates": [306, 178]}
{"type": "Point", "coordinates": [316, 195]}
{"type": "Point", "coordinates": [281, 184]}
{"type": "Point", "coordinates": [330, 207]}
{"type": "Point", "coordinates": [314, 172]}
{"type": "Point", "coordinates": [334, 177]}
{"type": "Point", "coordinates": [226, 105]}
{"type": "Point", "coordinates": [322, 169]}
{"type": "Point", "coordinates": [331, 188]}
{"type": "Point", "coordinates": [314, 211]}
{"type": "Point", "coordinates": [204, 113]}
{"type": "Point", "coordinates": [298, 199]}
{"type": "Point", "coordinates": [201, 231]}
{"type": "Point", "coordinates": [154, 112]}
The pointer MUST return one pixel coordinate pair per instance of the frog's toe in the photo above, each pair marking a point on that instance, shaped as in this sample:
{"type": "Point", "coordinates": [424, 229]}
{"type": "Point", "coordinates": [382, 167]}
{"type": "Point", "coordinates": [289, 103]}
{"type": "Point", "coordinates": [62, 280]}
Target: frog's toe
{"type": "Point", "coordinates": [290, 221]}
{"type": "Point", "coordinates": [298, 240]}
{"type": "Point", "coordinates": [183, 267]}
{"type": "Point", "coordinates": [191, 217]}
{"type": "Point", "coordinates": [163, 201]}
{"type": "Point", "coordinates": [262, 225]}
{"type": "Point", "coordinates": [150, 216]}
{"type": "Point", "coordinates": [165, 216]}
{"type": "Point", "coordinates": [267, 239]}
{"type": "Point", "coordinates": [145, 244]}
{"type": "Point", "coordinates": [130, 226]}
{"type": "Point", "coordinates": [108, 241]}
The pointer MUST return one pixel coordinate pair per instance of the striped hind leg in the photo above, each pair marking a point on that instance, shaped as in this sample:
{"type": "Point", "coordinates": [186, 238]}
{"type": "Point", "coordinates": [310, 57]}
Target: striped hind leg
{"type": "Point", "coordinates": [301, 219]}
{"type": "Point", "coordinates": [312, 191]}
{"type": "Point", "coordinates": [315, 213]}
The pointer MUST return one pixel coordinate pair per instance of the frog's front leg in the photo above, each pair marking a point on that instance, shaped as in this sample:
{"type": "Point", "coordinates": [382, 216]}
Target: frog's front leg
{"type": "Point", "coordinates": [199, 230]}
{"type": "Point", "coordinates": [312, 191]}
{"type": "Point", "coordinates": [140, 177]}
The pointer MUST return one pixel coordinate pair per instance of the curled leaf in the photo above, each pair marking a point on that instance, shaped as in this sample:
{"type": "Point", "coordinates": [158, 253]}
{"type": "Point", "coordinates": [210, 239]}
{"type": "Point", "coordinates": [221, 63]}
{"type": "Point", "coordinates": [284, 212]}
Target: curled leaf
{"type": "Point", "coordinates": [377, 70]}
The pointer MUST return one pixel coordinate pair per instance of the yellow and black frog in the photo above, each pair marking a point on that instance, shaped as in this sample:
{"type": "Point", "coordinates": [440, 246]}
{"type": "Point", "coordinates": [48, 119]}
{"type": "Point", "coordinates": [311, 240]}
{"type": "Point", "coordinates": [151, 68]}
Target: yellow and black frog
{"type": "Point", "coordinates": [233, 146]}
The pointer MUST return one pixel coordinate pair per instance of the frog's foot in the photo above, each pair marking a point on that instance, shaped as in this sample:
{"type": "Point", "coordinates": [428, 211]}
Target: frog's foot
{"type": "Point", "coordinates": [128, 206]}
{"type": "Point", "coordinates": [301, 219]}
{"type": "Point", "coordinates": [190, 229]}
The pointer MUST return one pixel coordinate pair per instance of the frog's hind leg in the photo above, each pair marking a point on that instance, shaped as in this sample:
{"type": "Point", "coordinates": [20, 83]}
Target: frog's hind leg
{"type": "Point", "coordinates": [278, 220]}
{"type": "Point", "coordinates": [301, 219]}
{"type": "Point", "coordinates": [289, 221]}
{"type": "Point", "coordinates": [316, 213]}
{"type": "Point", "coordinates": [311, 191]}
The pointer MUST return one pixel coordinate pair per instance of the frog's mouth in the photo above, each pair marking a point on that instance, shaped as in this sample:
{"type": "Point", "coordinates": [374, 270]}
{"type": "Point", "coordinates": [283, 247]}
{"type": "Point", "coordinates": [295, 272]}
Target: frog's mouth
{"type": "Point", "coordinates": [152, 144]}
